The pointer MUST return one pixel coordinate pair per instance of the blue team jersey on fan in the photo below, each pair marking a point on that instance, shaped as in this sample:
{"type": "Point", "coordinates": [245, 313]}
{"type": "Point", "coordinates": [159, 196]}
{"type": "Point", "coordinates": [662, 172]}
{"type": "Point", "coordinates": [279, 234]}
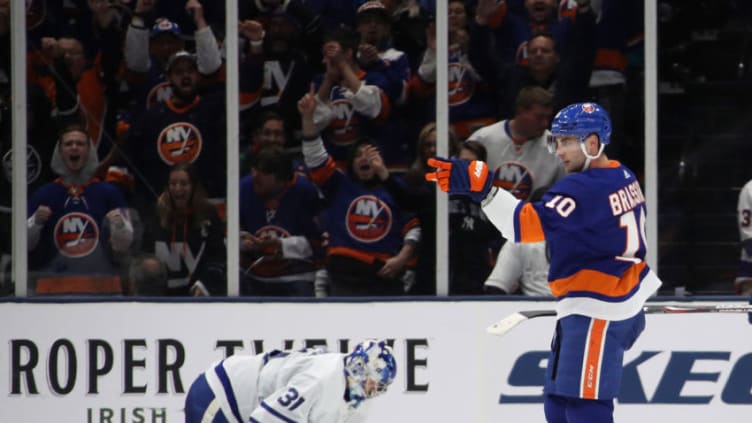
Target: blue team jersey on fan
{"type": "Point", "coordinates": [595, 219]}
{"type": "Point", "coordinates": [75, 238]}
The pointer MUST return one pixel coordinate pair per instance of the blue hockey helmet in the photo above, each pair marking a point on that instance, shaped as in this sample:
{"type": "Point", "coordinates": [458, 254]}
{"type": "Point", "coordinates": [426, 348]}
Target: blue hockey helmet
{"type": "Point", "coordinates": [370, 360]}
{"type": "Point", "coordinates": [582, 120]}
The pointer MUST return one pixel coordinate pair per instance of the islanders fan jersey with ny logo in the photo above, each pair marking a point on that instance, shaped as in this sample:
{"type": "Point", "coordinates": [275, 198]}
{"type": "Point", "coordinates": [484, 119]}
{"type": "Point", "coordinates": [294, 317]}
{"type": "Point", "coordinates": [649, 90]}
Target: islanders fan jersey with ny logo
{"type": "Point", "coordinates": [523, 167]}
{"type": "Point", "coordinates": [294, 214]}
{"type": "Point", "coordinates": [595, 221]}
{"type": "Point", "coordinates": [363, 223]}
{"type": "Point", "coordinates": [348, 117]}
{"type": "Point", "coordinates": [168, 134]}
{"type": "Point", "coordinates": [74, 239]}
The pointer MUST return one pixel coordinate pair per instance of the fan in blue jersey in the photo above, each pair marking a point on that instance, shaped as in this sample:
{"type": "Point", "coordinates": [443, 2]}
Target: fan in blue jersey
{"type": "Point", "coordinates": [594, 222]}
{"type": "Point", "coordinates": [310, 386]}
{"type": "Point", "coordinates": [77, 225]}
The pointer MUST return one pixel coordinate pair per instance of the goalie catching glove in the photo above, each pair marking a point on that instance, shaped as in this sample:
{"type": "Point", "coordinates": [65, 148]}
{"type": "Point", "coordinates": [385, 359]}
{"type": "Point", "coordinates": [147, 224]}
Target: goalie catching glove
{"type": "Point", "coordinates": [461, 177]}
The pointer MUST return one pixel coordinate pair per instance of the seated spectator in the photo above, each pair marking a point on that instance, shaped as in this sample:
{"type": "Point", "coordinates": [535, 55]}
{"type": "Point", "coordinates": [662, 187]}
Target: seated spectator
{"type": "Point", "coordinates": [147, 276]}
{"type": "Point", "coordinates": [77, 224]}
{"type": "Point", "coordinates": [280, 231]}
{"type": "Point", "coordinates": [188, 236]}
{"type": "Point", "coordinates": [371, 239]}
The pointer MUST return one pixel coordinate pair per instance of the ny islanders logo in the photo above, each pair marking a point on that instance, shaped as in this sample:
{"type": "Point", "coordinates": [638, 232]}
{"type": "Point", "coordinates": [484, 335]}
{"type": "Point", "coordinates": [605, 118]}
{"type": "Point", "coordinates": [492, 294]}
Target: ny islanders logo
{"type": "Point", "coordinates": [368, 219]}
{"type": "Point", "coordinates": [158, 94]}
{"type": "Point", "coordinates": [461, 85]}
{"type": "Point", "coordinates": [515, 178]}
{"type": "Point", "coordinates": [76, 235]}
{"type": "Point", "coordinates": [345, 122]}
{"type": "Point", "coordinates": [178, 143]}
{"type": "Point", "coordinates": [273, 231]}
{"type": "Point", "coordinates": [33, 165]}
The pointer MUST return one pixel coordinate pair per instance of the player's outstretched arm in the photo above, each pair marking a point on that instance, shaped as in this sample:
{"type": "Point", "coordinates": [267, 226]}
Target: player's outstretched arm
{"type": "Point", "coordinates": [474, 180]}
{"type": "Point", "coordinates": [455, 176]}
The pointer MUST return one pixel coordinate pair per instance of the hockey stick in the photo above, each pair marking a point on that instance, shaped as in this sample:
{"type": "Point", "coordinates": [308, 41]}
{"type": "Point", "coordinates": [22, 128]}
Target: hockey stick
{"type": "Point", "coordinates": [506, 324]}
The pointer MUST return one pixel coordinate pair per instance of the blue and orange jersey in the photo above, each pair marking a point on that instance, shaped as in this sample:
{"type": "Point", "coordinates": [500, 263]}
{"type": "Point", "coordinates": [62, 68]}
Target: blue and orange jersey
{"type": "Point", "coordinates": [346, 124]}
{"type": "Point", "coordinates": [75, 239]}
{"type": "Point", "coordinates": [594, 221]}
{"type": "Point", "coordinates": [364, 221]}
{"type": "Point", "coordinates": [471, 104]}
{"type": "Point", "coordinates": [169, 134]}
{"type": "Point", "coordinates": [293, 213]}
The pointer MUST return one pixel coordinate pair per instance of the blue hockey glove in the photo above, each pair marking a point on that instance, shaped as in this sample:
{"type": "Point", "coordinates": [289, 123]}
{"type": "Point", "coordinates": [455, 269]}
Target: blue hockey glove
{"type": "Point", "coordinates": [461, 177]}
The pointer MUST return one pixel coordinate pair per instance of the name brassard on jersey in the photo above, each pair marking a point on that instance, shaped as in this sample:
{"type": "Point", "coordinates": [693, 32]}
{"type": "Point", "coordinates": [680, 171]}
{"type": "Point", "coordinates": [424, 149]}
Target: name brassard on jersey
{"type": "Point", "coordinates": [626, 199]}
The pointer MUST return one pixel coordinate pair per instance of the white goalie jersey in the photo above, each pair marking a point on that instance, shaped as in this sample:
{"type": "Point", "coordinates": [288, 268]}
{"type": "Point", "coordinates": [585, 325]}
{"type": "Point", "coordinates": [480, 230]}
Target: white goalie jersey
{"type": "Point", "coordinates": [305, 386]}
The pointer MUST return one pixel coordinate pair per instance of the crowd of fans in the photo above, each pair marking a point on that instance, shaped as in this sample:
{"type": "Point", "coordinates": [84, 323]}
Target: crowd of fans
{"type": "Point", "coordinates": [127, 139]}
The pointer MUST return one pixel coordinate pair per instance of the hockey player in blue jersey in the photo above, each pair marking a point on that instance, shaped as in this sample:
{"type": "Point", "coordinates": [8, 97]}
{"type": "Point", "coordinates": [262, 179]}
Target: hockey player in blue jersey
{"type": "Point", "coordinates": [594, 222]}
{"type": "Point", "coordinates": [310, 386]}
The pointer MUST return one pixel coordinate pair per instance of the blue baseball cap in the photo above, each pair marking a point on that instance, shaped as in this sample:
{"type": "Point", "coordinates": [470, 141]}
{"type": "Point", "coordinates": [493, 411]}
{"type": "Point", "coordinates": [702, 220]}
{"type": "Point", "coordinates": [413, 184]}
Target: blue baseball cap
{"type": "Point", "coordinates": [165, 26]}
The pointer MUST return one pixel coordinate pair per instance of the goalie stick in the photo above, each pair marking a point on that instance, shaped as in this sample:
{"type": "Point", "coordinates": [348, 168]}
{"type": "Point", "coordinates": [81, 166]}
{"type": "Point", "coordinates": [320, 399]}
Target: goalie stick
{"type": "Point", "coordinates": [506, 324]}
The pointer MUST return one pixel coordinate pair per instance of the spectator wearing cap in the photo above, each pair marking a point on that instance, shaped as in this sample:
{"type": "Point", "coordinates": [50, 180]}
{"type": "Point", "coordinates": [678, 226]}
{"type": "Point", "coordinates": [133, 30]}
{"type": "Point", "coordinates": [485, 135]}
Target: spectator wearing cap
{"type": "Point", "coordinates": [147, 51]}
{"type": "Point", "coordinates": [408, 22]}
{"type": "Point", "coordinates": [184, 128]}
{"type": "Point", "coordinates": [375, 51]}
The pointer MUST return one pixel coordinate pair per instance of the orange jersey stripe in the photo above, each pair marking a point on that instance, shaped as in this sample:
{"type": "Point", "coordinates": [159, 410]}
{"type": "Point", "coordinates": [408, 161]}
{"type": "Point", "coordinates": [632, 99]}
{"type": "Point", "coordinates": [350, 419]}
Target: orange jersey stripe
{"type": "Point", "coordinates": [598, 282]}
{"type": "Point", "coordinates": [356, 254]}
{"type": "Point", "coordinates": [531, 229]}
{"type": "Point", "coordinates": [610, 59]}
{"type": "Point", "coordinates": [591, 366]}
{"type": "Point", "coordinates": [495, 20]}
{"type": "Point", "coordinates": [79, 284]}
{"type": "Point", "coordinates": [320, 175]}
{"type": "Point", "coordinates": [386, 108]}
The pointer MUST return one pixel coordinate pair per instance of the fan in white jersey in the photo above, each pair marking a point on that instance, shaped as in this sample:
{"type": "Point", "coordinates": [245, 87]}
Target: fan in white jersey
{"type": "Point", "coordinates": [310, 386]}
{"type": "Point", "coordinates": [517, 147]}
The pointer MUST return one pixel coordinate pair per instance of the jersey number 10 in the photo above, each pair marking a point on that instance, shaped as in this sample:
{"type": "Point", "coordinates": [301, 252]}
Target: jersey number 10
{"type": "Point", "coordinates": [635, 235]}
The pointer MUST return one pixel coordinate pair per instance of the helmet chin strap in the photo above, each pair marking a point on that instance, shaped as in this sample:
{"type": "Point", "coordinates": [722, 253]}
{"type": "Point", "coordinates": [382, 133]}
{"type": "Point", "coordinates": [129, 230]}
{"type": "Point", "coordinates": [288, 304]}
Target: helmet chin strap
{"type": "Point", "coordinates": [588, 157]}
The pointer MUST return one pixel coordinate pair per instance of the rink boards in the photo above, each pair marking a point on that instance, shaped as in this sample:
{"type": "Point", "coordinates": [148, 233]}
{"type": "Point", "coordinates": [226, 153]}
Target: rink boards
{"type": "Point", "coordinates": [133, 361]}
